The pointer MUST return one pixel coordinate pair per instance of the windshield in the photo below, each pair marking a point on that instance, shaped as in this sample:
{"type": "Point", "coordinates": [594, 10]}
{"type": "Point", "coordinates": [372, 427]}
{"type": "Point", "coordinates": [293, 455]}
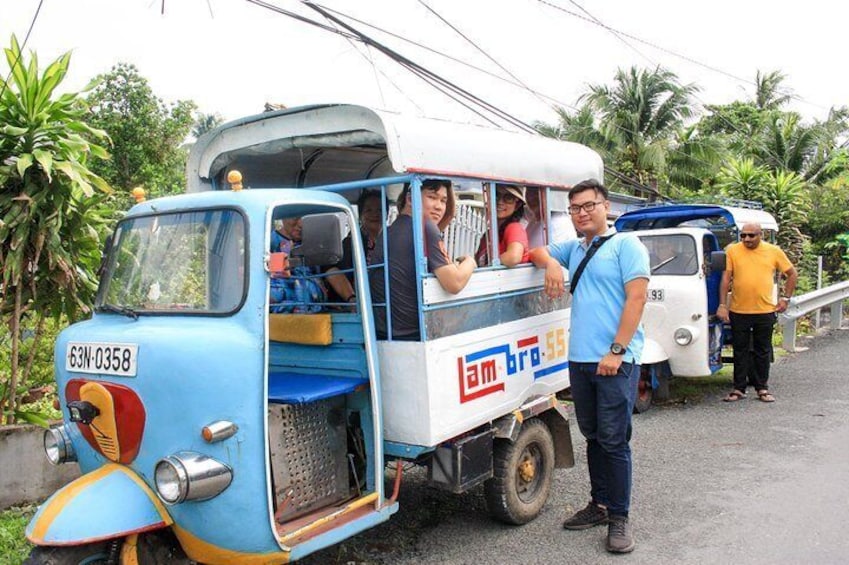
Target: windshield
{"type": "Point", "coordinates": [671, 254]}
{"type": "Point", "coordinates": [180, 262]}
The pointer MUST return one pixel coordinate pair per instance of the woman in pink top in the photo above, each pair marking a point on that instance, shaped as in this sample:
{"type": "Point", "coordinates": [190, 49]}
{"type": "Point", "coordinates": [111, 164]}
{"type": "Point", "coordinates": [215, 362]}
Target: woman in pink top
{"type": "Point", "coordinates": [513, 245]}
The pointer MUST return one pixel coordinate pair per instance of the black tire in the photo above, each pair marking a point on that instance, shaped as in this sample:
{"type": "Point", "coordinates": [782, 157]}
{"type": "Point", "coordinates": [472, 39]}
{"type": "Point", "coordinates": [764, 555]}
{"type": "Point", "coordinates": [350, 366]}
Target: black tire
{"type": "Point", "coordinates": [90, 554]}
{"type": "Point", "coordinates": [152, 548]}
{"type": "Point", "coordinates": [645, 393]}
{"type": "Point", "coordinates": [522, 474]}
{"type": "Point", "coordinates": [161, 546]}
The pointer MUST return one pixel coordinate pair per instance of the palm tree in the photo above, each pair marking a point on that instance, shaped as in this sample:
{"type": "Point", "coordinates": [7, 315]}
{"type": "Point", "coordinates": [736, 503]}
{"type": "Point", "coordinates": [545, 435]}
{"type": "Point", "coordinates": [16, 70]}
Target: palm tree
{"type": "Point", "coordinates": [641, 111]}
{"type": "Point", "coordinates": [205, 123]}
{"type": "Point", "coordinates": [49, 244]}
{"type": "Point", "coordinates": [769, 95]}
{"type": "Point", "coordinates": [694, 160]}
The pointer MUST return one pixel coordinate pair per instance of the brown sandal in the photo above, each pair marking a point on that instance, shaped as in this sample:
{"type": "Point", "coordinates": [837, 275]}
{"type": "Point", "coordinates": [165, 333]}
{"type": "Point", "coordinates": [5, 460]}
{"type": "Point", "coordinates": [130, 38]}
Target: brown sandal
{"type": "Point", "coordinates": [734, 396]}
{"type": "Point", "coordinates": [765, 396]}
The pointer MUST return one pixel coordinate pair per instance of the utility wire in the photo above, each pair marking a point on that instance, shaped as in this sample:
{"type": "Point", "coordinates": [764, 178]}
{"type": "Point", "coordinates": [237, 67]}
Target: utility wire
{"type": "Point", "coordinates": [485, 54]}
{"type": "Point", "coordinates": [443, 85]}
{"type": "Point", "coordinates": [21, 51]}
{"type": "Point", "coordinates": [332, 29]}
{"type": "Point", "coordinates": [449, 57]}
{"type": "Point", "coordinates": [668, 51]}
{"type": "Point", "coordinates": [422, 71]}
{"type": "Point", "coordinates": [702, 102]}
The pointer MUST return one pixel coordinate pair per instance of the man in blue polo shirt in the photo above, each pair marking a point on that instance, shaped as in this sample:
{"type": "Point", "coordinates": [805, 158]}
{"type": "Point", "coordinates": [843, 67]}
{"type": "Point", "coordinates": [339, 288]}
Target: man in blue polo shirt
{"type": "Point", "coordinates": [605, 344]}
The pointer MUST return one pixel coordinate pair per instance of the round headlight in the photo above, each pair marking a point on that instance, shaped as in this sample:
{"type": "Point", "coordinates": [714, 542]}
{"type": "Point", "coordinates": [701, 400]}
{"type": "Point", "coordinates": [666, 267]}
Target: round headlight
{"type": "Point", "coordinates": [172, 483]}
{"type": "Point", "coordinates": [58, 446]}
{"type": "Point", "coordinates": [190, 476]}
{"type": "Point", "coordinates": [683, 336]}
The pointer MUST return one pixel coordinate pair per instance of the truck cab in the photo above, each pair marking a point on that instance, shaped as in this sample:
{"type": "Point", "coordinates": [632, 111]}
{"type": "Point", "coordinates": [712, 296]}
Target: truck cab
{"type": "Point", "coordinates": [684, 338]}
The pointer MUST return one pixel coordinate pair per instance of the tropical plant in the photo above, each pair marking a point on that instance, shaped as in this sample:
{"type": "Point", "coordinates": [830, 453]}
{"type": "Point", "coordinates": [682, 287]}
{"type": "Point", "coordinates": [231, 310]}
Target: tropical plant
{"type": "Point", "coordinates": [693, 162]}
{"type": "Point", "coordinates": [147, 134]}
{"type": "Point", "coordinates": [49, 207]}
{"type": "Point", "coordinates": [205, 123]}
{"type": "Point", "coordinates": [769, 93]}
{"type": "Point", "coordinates": [641, 111]}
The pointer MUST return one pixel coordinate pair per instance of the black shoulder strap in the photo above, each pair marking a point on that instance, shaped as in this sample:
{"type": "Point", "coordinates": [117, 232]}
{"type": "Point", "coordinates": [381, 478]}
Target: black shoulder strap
{"type": "Point", "coordinates": [590, 252]}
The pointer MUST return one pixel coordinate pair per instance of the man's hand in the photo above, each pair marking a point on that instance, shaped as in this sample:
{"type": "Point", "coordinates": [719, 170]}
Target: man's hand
{"type": "Point", "coordinates": [782, 305]}
{"type": "Point", "coordinates": [722, 313]}
{"type": "Point", "coordinates": [554, 287]}
{"type": "Point", "coordinates": [609, 365]}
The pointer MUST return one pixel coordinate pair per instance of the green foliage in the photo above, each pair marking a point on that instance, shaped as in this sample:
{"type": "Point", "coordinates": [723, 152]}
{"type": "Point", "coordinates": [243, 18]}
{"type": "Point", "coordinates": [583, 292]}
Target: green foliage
{"type": "Point", "coordinates": [49, 212]}
{"type": "Point", "coordinates": [14, 547]}
{"type": "Point", "coordinates": [205, 123]}
{"type": "Point", "coordinates": [147, 134]}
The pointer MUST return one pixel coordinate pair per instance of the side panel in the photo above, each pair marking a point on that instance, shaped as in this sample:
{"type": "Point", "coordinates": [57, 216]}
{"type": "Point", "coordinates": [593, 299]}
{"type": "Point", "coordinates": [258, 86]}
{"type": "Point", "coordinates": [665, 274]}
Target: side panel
{"type": "Point", "coordinates": [436, 390]}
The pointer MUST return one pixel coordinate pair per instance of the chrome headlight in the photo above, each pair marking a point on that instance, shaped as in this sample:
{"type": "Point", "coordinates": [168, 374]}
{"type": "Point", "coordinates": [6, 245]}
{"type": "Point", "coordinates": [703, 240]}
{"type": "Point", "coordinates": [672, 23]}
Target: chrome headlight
{"type": "Point", "coordinates": [683, 336]}
{"type": "Point", "coordinates": [58, 446]}
{"type": "Point", "coordinates": [190, 476]}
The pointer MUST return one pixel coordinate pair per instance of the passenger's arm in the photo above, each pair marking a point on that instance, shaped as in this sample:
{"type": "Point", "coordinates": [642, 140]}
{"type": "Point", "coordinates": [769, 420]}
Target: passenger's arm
{"type": "Point", "coordinates": [724, 285]}
{"type": "Point", "coordinates": [635, 302]}
{"type": "Point", "coordinates": [340, 284]}
{"type": "Point", "coordinates": [554, 286]}
{"type": "Point", "coordinates": [454, 276]}
{"type": "Point", "coordinates": [513, 255]}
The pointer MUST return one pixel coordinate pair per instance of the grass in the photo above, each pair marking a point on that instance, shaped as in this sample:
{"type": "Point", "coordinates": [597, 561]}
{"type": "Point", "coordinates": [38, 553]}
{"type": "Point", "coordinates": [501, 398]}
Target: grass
{"type": "Point", "coordinates": [14, 547]}
{"type": "Point", "coordinates": [691, 390]}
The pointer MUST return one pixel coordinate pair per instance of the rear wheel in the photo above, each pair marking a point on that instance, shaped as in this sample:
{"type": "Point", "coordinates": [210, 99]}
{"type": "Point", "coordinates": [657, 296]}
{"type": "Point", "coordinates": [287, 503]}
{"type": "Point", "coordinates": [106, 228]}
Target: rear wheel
{"type": "Point", "coordinates": [522, 474]}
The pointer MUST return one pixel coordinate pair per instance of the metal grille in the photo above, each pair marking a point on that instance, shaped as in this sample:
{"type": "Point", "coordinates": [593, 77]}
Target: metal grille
{"type": "Point", "coordinates": [308, 455]}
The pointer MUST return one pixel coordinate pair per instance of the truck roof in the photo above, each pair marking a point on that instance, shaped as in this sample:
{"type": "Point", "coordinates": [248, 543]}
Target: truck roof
{"type": "Point", "coordinates": [325, 144]}
{"type": "Point", "coordinates": [672, 215]}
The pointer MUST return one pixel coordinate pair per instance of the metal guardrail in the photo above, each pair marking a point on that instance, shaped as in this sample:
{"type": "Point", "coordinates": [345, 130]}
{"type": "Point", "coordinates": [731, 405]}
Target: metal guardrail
{"type": "Point", "coordinates": [830, 296]}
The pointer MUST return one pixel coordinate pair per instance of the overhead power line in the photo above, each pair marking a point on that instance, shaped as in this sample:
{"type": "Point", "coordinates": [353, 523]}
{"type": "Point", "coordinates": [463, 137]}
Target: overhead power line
{"type": "Point", "coordinates": [620, 34]}
{"type": "Point", "coordinates": [23, 45]}
{"type": "Point", "coordinates": [456, 93]}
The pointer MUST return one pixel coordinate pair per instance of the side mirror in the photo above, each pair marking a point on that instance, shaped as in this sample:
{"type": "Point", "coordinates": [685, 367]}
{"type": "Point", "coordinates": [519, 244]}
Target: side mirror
{"type": "Point", "coordinates": [321, 239]}
{"type": "Point", "coordinates": [717, 261]}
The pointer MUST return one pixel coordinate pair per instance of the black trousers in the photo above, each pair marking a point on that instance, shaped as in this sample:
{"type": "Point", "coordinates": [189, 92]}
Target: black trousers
{"type": "Point", "coordinates": [751, 337]}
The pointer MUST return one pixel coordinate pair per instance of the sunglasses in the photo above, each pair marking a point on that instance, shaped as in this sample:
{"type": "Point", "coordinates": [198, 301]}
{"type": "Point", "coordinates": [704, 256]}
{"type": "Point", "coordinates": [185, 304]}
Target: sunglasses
{"type": "Point", "coordinates": [748, 235]}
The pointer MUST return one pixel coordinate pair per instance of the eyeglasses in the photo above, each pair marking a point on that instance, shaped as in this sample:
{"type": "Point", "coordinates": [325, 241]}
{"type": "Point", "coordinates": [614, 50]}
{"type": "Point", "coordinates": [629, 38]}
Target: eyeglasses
{"type": "Point", "coordinates": [505, 197]}
{"type": "Point", "coordinates": [586, 207]}
{"type": "Point", "coordinates": [744, 235]}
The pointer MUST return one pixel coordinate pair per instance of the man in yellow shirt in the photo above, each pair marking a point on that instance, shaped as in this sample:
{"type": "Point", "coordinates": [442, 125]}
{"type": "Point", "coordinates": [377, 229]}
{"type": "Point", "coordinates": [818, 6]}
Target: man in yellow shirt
{"type": "Point", "coordinates": [751, 266]}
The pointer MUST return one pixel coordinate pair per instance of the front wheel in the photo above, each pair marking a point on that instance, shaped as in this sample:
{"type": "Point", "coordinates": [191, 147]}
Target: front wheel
{"type": "Point", "coordinates": [90, 554]}
{"type": "Point", "coordinates": [644, 395]}
{"type": "Point", "coordinates": [522, 474]}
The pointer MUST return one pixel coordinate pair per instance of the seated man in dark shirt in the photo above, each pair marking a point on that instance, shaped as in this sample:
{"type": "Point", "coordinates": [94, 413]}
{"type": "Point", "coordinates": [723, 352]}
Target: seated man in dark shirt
{"type": "Point", "coordinates": [437, 212]}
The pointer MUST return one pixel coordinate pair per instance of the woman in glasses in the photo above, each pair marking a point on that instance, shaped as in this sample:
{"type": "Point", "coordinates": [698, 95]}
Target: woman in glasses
{"type": "Point", "coordinates": [513, 245]}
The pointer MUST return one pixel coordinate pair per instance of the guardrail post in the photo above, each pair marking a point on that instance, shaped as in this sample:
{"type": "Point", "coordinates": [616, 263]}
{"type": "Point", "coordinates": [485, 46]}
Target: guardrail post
{"type": "Point", "coordinates": [836, 315]}
{"type": "Point", "coordinates": [789, 342]}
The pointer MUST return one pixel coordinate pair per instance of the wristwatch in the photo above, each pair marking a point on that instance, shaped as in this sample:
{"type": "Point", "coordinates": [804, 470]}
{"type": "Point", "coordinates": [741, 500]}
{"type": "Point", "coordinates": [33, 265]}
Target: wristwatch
{"type": "Point", "coordinates": [617, 348]}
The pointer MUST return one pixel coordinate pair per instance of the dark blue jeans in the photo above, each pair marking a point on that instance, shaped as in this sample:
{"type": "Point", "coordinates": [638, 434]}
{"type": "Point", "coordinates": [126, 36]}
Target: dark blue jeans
{"type": "Point", "coordinates": [603, 407]}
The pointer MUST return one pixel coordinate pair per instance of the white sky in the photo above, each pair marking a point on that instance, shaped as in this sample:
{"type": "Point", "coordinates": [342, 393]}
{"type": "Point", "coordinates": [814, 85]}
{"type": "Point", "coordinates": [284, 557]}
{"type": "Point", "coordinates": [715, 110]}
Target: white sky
{"type": "Point", "coordinates": [234, 60]}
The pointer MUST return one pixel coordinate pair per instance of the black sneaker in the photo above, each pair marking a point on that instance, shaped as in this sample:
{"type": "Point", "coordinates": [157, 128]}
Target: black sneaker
{"type": "Point", "coordinates": [592, 515]}
{"type": "Point", "coordinates": [620, 539]}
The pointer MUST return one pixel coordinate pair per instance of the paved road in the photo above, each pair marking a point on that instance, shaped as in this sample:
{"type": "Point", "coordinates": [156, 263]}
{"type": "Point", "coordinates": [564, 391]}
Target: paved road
{"type": "Point", "coordinates": [742, 483]}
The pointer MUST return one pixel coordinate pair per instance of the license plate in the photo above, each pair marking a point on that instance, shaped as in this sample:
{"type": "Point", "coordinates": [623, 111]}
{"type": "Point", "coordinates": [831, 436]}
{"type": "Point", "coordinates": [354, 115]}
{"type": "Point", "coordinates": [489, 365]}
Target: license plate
{"type": "Point", "coordinates": [102, 358]}
{"type": "Point", "coordinates": [654, 295]}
